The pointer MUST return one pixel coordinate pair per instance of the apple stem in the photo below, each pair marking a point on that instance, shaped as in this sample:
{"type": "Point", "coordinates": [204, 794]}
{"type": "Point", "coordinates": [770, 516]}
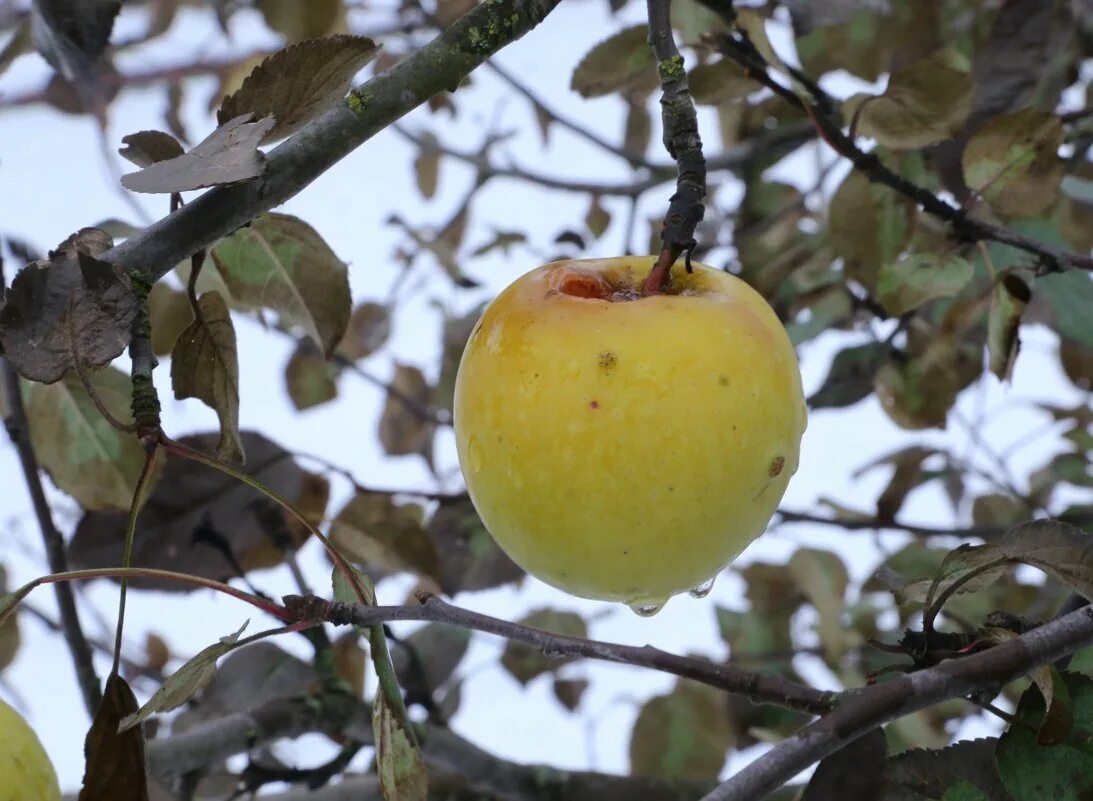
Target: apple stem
{"type": "Point", "coordinates": [660, 277]}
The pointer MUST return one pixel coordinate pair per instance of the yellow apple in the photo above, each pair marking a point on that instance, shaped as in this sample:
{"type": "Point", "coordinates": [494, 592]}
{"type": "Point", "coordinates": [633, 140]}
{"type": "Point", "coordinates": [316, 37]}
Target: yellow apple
{"type": "Point", "coordinates": [26, 774]}
{"type": "Point", "coordinates": [621, 447]}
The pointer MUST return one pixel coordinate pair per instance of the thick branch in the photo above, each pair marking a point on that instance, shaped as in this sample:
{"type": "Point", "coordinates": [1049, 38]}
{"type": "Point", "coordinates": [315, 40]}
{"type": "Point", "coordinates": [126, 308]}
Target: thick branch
{"type": "Point", "coordinates": [437, 67]}
{"type": "Point", "coordinates": [761, 688]}
{"type": "Point", "coordinates": [684, 145]}
{"type": "Point", "coordinates": [859, 711]}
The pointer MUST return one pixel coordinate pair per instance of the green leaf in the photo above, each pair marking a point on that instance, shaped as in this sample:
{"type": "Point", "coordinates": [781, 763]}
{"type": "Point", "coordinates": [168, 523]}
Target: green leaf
{"type": "Point", "coordinates": [524, 662]}
{"type": "Point", "coordinates": [823, 579]}
{"type": "Point", "coordinates": [924, 103]}
{"type": "Point", "coordinates": [922, 774]}
{"type": "Point", "coordinates": [868, 225]}
{"type": "Point", "coordinates": [623, 63]}
{"type": "Point", "coordinates": [295, 20]}
{"type": "Point", "coordinates": [186, 682]}
{"type": "Point", "coordinates": [205, 365]}
{"type": "Point", "coordinates": [279, 262]}
{"type": "Point", "coordinates": [1069, 297]}
{"type": "Point", "coordinates": [1008, 301]}
{"type": "Point", "coordinates": [309, 378]}
{"type": "Point", "coordinates": [82, 452]}
{"type": "Point", "coordinates": [1012, 162]}
{"type": "Point", "coordinates": [682, 735]}
{"type": "Point", "coordinates": [907, 283]}
{"type": "Point", "coordinates": [1061, 771]}
{"type": "Point", "coordinates": [964, 791]}
{"type": "Point", "coordinates": [850, 378]}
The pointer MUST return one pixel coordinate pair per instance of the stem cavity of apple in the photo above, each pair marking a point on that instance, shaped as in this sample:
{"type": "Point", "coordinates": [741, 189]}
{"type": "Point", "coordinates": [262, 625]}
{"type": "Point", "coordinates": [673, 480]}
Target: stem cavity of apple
{"type": "Point", "coordinates": [684, 145]}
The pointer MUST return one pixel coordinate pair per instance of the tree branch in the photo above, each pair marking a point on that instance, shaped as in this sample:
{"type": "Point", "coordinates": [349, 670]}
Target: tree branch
{"type": "Point", "coordinates": [859, 711]}
{"type": "Point", "coordinates": [966, 227]}
{"type": "Point", "coordinates": [760, 688]}
{"type": "Point", "coordinates": [437, 67]}
{"type": "Point", "coordinates": [19, 431]}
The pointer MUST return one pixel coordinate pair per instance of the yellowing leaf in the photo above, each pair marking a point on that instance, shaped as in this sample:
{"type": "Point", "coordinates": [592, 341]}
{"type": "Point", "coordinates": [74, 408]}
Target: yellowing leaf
{"type": "Point", "coordinates": [205, 365]}
{"type": "Point", "coordinates": [309, 378]}
{"type": "Point", "coordinates": [1013, 163]}
{"type": "Point", "coordinates": [401, 767]}
{"type": "Point", "coordinates": [906, 284]}
{"type": "Point", "coordinates": [280, 262]}
{"type": "Point", "coordinates": [924, 103]}
{"type": "Point", "coordinates": [296, 20]}
{"type": "Point", "coordinates": [84, 455]}
{"type": "Point", "coordinates": [623, 63]}
{"type": "Point", "coordinates": [720, 82]}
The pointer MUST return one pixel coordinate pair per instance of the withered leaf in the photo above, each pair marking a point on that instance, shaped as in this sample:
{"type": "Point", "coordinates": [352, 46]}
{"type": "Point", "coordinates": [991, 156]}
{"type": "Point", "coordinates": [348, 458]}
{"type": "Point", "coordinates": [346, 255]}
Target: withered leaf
{"type": "Point", "coordinates": [524, 662]}
{"type": "Point", "coordinates": [469, 558]}
{"type": "Point", "coordinates": [170, 312]}
{"type": "Point", "coordinates": [1012, 162]}
{"type": "Point", "coordinates": [71, 307]}
{"type": "Point", "coordinates": [205, 365]}
{"type": "Point", "coordinates": [1008, 301]}
{"type": "Point", "coordinates": [401, 767]}
{"type": "Point", "coordinates": [907, 283]}
{"type": "Point", "coordinates": [115, 759]}
{"type": "Point", "coordinates": [227, 155]}
{"type": "Point", "coordinates": [699, 710]}
{"type": "Point", "coordinates": [368, 328]}
{"type": "Point", "coordinates": [298, 83]}
{"type": "Point", "coordinates": [200, 521]}
{"type": "Point", "coordinates": [405, 427]}
{"type": "Point", "coordinates": [309, 378]}
{"type": "Point", "coordinates": [373, 530]}
{"type": "Point", "coordinates": [849, 774]}
{"type": "Point", "coordinates": [622, 63]}
{"type": "Point", "coordinates": [145, 148]}
{"type": "Point", "coordinates": [73, 36]}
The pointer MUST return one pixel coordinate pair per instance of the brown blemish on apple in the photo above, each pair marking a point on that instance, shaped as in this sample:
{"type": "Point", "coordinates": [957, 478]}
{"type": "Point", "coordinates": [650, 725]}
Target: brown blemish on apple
{"type": "Point", "coordinates": [776, 466]}
{"type": "Point", "coordinates": [608, 360]}
{"type": "Point", "coordinates": [594, 404]}
{"type": "Point", "coordinates": [723, 380]}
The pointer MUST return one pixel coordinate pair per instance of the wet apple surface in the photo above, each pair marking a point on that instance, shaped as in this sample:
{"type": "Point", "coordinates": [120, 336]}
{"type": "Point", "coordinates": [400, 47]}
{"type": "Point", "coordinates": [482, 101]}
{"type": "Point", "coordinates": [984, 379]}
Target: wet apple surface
{"type": "Point", "coordinates": [621, 447]}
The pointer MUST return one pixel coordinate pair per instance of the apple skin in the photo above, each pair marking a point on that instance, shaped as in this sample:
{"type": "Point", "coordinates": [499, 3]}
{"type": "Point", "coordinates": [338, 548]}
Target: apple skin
{"type": "Point", "coordinates": [624, 448]}
{"type": "Point", "coordinates": [26, 774]}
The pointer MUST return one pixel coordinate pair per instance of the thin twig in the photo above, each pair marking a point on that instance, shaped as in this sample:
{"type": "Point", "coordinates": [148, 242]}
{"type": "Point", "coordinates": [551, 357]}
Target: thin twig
{"type": "Point", "coordinates": [859, 711]}
{"type": "Point", "coordinates": [966, 227]}
{"type": "Point", "coordinates": [18, 430]}
{"type": "Point", "coordinates": [761, 688]}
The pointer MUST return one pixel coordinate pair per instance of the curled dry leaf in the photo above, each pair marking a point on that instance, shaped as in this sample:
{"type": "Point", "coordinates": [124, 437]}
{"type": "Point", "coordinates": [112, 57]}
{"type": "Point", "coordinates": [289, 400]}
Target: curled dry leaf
{"type": "Point", "coordinates": [145, 148]}
{"type": "Point", "coordinates": [71, 307]}
{"type": "Point", "coordinates": [228, 155]}
{"type": "Point", "coordinates": [298, 83]}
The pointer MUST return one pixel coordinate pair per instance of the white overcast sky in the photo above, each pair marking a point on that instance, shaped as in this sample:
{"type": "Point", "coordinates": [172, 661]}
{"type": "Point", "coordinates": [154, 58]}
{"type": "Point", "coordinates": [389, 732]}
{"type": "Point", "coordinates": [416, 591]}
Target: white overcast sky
{"type": "Point", "coordinates": [54, 181]}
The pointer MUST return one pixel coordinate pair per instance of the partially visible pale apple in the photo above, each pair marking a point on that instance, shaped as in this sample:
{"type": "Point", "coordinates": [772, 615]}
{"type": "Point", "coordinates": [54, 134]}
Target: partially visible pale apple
{"type": "Point", "coordinates": [26, 774]}
{"type": "Point", "coordinates": [627, 448]}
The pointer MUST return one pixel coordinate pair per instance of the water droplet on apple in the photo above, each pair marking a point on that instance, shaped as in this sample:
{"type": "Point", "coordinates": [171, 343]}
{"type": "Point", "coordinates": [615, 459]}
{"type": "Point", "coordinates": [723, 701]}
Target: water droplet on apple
{"type": "Point", "coordinates": [703, 589]}
{"type": "Point", "coordinates": [647, 607]}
